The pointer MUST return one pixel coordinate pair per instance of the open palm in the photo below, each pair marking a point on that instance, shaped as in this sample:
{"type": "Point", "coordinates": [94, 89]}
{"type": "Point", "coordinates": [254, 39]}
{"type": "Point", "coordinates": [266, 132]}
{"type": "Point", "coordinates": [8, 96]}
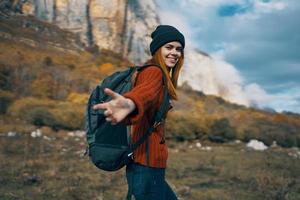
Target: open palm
{"type": "Point", "coordinates": [116, 109]}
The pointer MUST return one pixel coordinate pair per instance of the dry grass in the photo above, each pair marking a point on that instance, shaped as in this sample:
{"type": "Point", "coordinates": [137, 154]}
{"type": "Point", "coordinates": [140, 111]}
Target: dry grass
{"type": "Point", "coordinates": [37, 168]}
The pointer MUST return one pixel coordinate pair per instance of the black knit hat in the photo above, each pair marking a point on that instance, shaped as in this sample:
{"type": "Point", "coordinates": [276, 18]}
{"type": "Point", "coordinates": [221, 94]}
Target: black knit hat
{"type": "Point", "coordinates": [164, 34]}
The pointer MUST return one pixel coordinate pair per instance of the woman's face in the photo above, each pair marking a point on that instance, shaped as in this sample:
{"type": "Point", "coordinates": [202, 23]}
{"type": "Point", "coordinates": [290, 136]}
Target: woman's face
{"type": "Point", "coordinates": [171, 52]}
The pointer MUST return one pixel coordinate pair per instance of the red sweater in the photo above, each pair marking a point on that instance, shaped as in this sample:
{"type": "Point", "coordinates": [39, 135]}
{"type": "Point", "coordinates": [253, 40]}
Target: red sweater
{"type": "Point", "coordinates": [147, 94]}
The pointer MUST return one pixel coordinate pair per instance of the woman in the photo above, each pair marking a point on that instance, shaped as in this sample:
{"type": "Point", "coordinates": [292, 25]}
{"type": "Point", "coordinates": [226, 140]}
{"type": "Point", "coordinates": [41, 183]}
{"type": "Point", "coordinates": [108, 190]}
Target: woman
{"type": "Point", "coordinates": [146, 175]}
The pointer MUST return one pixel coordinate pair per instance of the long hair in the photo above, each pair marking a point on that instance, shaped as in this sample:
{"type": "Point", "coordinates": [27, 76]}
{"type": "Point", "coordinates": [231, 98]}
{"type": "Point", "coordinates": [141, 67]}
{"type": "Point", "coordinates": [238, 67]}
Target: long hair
{"type": "Point", "coordinates": [171, 74]}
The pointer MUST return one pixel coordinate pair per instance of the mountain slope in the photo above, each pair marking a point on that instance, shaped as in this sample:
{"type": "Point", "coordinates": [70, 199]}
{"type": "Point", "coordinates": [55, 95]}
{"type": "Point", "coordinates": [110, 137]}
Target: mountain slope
{"type": "Point", "coordinates": [47, 83]}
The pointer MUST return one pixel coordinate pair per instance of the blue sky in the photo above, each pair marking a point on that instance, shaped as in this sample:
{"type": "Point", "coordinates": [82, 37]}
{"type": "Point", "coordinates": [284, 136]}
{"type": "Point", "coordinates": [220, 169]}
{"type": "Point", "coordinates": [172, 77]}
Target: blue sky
{"type": "Point", "coordinates": [260, 38]}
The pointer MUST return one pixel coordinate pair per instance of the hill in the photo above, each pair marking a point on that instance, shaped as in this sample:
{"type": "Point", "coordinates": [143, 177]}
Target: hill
{"type": "Point", "coordinates": [47, 75]}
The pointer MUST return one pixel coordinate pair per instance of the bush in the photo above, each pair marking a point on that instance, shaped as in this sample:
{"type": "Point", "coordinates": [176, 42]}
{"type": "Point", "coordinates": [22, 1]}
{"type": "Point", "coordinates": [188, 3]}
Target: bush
{"type": "Point", "coordinates": [40, 116]}
{"type": "Point", "coordinates": [43, 86]}
{"type": "Point", "coordinates": [45, 112]}
{"type": "Point", "coordinates": [6, 98]}
{"type": "Point", "coordinates": [48, 61]}
{"type": "Point", "coordinates": [247, 136]}
{"type": "Point", "coordinates": [68, 116]}
{"type": "Point", "coordinates": [222, 128]}
{"type": "Point", "coordinates": [183, 126]}
{"type": "Point", "coordinates": [286, 140]}
{"type": "Point", "coordinates": [78, 98]}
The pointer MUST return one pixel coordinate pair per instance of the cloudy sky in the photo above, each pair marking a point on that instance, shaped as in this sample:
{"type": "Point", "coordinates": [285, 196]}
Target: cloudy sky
{"type": "Point", "coordinates": [260, 38]}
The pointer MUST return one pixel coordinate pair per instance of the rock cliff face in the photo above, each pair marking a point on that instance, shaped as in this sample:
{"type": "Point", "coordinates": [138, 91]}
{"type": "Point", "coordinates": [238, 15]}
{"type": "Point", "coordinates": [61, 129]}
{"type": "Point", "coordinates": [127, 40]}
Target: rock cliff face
{"type": "Point", "coordinates": [212, 76]}
{"type": "Point", "coordinates": [119, 25]}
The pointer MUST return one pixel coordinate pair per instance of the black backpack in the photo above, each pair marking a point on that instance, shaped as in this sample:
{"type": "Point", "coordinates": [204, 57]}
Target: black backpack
{"type": "Point", "coordinates": [109, 146]}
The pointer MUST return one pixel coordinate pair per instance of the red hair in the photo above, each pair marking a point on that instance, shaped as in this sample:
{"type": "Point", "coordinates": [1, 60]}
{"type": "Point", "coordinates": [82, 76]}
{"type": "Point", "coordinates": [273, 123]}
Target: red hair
{"type": "Point", "coordinates": [171, 74]}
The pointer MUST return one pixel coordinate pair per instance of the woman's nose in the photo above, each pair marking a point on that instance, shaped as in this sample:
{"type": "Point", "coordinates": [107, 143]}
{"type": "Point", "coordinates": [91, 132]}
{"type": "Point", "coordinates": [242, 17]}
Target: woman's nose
{"type": "Point", "coordinates": [174, 52]}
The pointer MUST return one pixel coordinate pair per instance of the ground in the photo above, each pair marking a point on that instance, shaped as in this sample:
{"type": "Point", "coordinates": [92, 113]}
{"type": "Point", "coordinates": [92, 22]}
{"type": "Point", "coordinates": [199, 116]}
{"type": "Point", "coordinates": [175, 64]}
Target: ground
{"type": "Point", "coordinates": [52, 166]}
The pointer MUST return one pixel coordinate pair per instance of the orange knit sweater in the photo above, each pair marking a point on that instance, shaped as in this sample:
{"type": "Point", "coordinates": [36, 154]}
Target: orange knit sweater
{"type": "Point", "coordinates": [147, 94]}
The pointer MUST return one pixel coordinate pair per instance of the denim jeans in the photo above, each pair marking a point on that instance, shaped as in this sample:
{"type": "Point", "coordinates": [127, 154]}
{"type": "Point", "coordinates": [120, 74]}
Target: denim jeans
{"type": "Point", "coordinates": [147, 183]}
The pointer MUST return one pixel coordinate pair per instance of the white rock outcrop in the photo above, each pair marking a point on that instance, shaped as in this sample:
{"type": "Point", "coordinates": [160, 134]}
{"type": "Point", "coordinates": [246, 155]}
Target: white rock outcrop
{"type": "Point", "coordinates": [256, 145]}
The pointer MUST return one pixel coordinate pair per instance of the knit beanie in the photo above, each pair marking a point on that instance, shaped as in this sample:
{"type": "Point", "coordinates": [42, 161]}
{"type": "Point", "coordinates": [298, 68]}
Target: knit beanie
{"type": "Point", "coordinates": [164, 34]}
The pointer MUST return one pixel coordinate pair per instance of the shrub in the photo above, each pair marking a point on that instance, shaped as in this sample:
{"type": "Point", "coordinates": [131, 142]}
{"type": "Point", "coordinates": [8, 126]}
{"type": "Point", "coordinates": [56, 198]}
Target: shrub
{"type": "Point", "coordinates": [247, 136]}
{"type": "Point", "coordinates": [68, 116]}
{"type": "Point", "coordinates": [55, 114]}
{"type": "Point", "coordinates": [222, 128]}
{"type": "Point", "coordinates": [183, 126]}
{"type": "Point", "coordinates": [78, 98]}
{"type": "Point", "coordinates": [43, 86]}
{"type": "Point", "coordinates": [40, 116]}
{"type": "Point", "coordinates": [266, 138]}
{"type": "Point", "coordinates": [6, 98]}
{"type": "Point", "coordinates": [48, 61]}
{"type": "Point", "coordinates": [6, 77]}
{"type": "Point", "coordinates": [286, 140]}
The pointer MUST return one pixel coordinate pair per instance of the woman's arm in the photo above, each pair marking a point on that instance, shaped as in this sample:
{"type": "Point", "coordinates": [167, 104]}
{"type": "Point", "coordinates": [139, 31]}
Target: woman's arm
{"type": "Point", "coordinates": [139, 99]}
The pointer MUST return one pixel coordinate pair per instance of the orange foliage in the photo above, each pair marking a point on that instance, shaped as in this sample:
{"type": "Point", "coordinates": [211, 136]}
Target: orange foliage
{"type": "Point", "coordinates": [43, 86]}
{"type": "Point", "coordinates": [279, 118]}
{"type": "Point", "coordinates": [78, 98]}
{"type": "Point", "coordinates": [106, 69]}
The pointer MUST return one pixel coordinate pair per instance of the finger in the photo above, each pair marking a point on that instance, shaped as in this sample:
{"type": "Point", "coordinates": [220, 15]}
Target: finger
{"type": "Point", "coordinates": [100, 106]}
{"type": "Point", "coordinates": [111, 93]}
{"type": "Point", "coordinates": [108, 119]}
{"type": "Point", "coordinates": [107, 112]}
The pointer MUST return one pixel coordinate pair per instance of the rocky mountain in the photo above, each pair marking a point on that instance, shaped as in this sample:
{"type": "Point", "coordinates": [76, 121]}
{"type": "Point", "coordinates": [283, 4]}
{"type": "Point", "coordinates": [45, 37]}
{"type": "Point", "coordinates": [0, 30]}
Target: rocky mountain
{"type": "Point", "coordinates": [121, 26]}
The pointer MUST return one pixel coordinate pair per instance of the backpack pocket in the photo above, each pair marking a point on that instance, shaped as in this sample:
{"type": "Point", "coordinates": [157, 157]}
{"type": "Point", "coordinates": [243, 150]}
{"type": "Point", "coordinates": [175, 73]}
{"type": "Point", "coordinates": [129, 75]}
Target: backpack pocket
{"type": "Point", "coordinates": [110, 157]}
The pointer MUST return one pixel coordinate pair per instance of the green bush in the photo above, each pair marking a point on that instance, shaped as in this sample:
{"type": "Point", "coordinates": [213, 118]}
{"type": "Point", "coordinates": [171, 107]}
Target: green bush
{"type": "Point", "coordinates": [40, 116]}
{"type": "Point", "coordinates": [183, 126]}
{"type": "Point", "coordinates": [247, 136]}
{"type": "Point", "coordinates": [286, 140]}
{"type": "Point", "coordinates": [222, 128]}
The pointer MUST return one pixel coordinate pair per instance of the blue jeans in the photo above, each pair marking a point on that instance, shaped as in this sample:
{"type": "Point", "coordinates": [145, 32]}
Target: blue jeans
{"type": "Point", "coordinates": [147, 183]}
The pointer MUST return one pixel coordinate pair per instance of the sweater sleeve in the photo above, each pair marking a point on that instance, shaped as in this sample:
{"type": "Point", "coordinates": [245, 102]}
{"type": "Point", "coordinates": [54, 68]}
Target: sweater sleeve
{"type": "Point", "coordinates": [148, 85]}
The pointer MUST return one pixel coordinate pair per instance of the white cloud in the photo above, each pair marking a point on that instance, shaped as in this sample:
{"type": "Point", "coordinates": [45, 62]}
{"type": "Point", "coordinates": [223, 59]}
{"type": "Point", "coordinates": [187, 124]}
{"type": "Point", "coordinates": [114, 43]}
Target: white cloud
{"type": "Point", "coordinates": [260, 44]}
{"type": "Point", "coordinates": [266, 7]}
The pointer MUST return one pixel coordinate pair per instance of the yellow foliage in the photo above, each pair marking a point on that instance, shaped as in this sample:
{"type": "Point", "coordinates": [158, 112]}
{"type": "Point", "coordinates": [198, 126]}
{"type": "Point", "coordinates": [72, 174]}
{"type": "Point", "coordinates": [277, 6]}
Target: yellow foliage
{"type": "Point", "coordinates": [69, 115]}
{"type": "Point", "coordinates": [21, 106]}
{"type": "Point", "coordinates": [57, 114]}
{"type": "Point", "coordinates": [44, 86]}
{"type": "Point", "coordinates": [106, 69]}
{"type": "Point", "coordinates": [6, 94]}
{"type": "Point", "coordinates": [78, 98]}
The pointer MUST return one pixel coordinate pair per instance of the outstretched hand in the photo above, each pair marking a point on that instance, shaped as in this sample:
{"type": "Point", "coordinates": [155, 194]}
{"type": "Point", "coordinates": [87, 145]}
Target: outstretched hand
{"type": "Point", "coordinates": [116, 109]}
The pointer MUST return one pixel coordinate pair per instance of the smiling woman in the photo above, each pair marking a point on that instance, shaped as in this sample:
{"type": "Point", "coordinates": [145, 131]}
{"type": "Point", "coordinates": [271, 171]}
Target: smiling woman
{"type": "Point", "coordinates": [138, 108]}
